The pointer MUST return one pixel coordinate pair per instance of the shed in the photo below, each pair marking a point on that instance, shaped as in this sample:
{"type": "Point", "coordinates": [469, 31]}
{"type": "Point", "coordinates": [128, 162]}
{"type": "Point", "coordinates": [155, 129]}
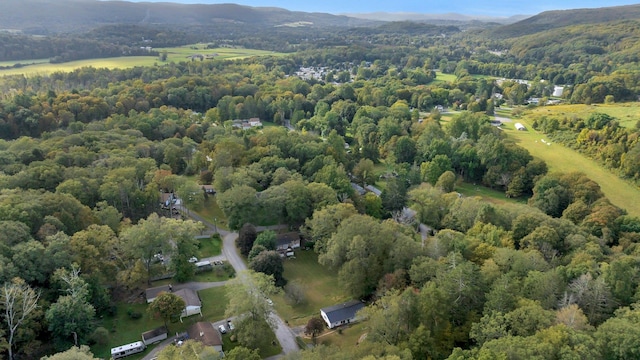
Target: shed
{"type": "Point", "coordinates": [155, 335]}
{"type": "Point", "coordinates": [341, 314]}
{"type": "Point", "coordinates": [206, 334]}
{"type": "Point", "coordinates": [152, 293]}
{"type": "Point", "coordinates": [192, 302]}
{"type": "Point", "coordinates": [520, 127]}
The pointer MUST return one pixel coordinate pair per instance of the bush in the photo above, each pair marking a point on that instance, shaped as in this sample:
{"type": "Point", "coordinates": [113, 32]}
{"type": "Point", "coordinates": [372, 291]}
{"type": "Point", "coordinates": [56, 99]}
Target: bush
{"type": "Point", "coordinates": [133, 314]}
{"type": "Point", "coordinates": [100, 336]}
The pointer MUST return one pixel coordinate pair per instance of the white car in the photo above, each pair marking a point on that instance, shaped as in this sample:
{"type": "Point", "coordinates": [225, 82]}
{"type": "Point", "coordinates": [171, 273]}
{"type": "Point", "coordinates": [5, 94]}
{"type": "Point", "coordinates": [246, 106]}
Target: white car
{"type": "Point", "coordinates": [193, 259]}
{"type": "Point", "coordinates": [269, 301]}
{"type": "Point", "coordinates": [230, 325]}
{"type": "Point", "coordinates": [223, 330]}
{"type": "Point", "coordinates": [159, 257]}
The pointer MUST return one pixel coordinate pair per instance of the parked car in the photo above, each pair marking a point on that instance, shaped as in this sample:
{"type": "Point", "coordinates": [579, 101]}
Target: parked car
{"type": "Point", "coordinates": [222, 329]}
{"type": "Point", "coordinates": [193, 259]}
{"type": "Point", "coordinates": [159, 257]}
{"type": "Point", "coordinates": [230, 325]}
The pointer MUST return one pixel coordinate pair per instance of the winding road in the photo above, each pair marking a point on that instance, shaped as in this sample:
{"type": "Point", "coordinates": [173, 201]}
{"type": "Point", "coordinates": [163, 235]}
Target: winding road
{"type": "Point", "coordinates": [283, 333]}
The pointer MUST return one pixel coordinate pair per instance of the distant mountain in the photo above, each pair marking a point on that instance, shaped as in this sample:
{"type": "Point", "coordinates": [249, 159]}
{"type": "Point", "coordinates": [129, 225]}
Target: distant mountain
{"type": "Point", "coordinates": [53, 16]}
{"type": "Point", "coordinates": [557, 19]}
{"type": "Point", "coordinates": [434, 18]}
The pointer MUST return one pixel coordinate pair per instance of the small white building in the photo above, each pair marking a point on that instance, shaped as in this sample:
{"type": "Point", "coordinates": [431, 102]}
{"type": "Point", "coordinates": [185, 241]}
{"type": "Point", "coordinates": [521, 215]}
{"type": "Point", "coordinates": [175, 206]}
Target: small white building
{"type": "Point", "coordinates": [520, 127]}
{"type": "Point", "coordinates": [558, 91]}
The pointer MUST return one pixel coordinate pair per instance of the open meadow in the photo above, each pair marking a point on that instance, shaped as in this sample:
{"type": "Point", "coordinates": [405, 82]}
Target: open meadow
{"type": "Point", "coordinates": [627, 114]}
{"type": "Point", "coordinates": [563, 159]}
{"type": "Point", "coordinates": [320, 286]}
{"type": "Point", "coordinates": [174, 54]}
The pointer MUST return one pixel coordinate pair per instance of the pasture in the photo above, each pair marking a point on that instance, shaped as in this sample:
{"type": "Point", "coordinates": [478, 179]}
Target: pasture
{"type": "Point", "coordinates": [562, 159]}
{"type": "Point", "coordinates": [174, 54]}
{"type": "Point", "coordinates": [627, 114]}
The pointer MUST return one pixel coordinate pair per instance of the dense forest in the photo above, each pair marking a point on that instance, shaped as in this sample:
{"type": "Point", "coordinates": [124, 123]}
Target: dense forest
{"type": "Point", "coordinates": [85, 155]}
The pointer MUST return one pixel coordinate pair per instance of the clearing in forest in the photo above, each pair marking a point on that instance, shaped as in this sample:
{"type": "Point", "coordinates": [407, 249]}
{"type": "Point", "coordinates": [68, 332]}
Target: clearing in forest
{"type": "Point", "coordinates": [562, 159]}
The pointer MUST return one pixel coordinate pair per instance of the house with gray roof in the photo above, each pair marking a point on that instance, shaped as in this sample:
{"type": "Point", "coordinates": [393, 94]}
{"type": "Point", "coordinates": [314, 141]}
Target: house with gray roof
{"type": "Point", "coordinates": [341, 314]}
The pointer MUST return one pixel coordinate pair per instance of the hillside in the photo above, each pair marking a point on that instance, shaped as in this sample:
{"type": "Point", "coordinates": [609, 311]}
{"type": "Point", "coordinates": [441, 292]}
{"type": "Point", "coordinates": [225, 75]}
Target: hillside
{"type": "Point", "coordinates": [48, 16]}
{"type": "Point", "coordinates": [556, 19]}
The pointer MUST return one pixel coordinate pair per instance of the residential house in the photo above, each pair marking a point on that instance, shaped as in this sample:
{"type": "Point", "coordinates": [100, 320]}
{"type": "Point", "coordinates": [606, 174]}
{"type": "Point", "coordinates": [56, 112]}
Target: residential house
{"type": "Point", "coordinates": [192, 302]}
{"type": "Point", "coordinates": [206, 334]}
{"type": "Point", "coordinates": [155, 335]}
{"type": "Point", "coordinates": [341, 314]}
{"type": "Point", "coordinates": [208, 189]}
{"type": "Point", "coordinates": [152, 293]}
{"type": "Point", "coordinates": [290, 240]}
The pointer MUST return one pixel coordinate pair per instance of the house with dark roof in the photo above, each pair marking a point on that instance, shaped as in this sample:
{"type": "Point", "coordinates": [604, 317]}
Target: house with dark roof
{"type": "Point", "coordinates": [206, 334]}
{"type": "Point", "coordinates": [152, 293]}
{"type": "Point", "coordinates": [290, 240]}
{"type": "Point", "coordinates": [341, 314]}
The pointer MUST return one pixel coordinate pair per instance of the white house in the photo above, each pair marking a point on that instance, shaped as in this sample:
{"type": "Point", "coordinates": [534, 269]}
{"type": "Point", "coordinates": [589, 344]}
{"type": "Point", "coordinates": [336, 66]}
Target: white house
{"type": "Point", "coordinates": [192, 303]}
{"type": "Point", "coordinates": [341, 314]}
{"type": "Point", "coordinates": [520, 127]}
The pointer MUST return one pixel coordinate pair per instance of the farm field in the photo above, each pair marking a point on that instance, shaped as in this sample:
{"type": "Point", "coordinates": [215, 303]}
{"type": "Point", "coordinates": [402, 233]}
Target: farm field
{"type": "Point", "coordinates": [175, 54]}
{"type": "Point", "coordinates": [627, 114]}
{"type": "Point", "coordinates": [560, 158]}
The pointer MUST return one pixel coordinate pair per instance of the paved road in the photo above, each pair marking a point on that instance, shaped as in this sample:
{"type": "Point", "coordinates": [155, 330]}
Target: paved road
{"type": "Point", "coordinates": [283, 333]}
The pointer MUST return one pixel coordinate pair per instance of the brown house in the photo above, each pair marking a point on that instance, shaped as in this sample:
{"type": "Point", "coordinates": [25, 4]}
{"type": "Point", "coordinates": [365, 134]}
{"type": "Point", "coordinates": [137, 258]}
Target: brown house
{"type": "Point", "coordinates": [206, 334]}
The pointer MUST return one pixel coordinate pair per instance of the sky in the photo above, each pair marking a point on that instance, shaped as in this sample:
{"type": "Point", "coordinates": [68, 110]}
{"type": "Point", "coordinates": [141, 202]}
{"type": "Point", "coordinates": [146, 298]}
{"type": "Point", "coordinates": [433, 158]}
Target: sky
{"type": "Point", "coordinates": [467, 7]}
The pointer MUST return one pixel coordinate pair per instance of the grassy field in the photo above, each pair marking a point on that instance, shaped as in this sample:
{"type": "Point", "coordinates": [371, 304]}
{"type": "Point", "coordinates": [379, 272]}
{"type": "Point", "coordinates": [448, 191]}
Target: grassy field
{"type": "Point", "coordinates": [627, 114]}
{"type": "Point", "coordinates": [175, 54]}
{"type": "Point", "coordinates": [213, 214]}
{"type": "Point", "coordinates": [347, 337]}
{"type": "Point", "coordinates": [320, 286]}
{"type": "Point", "coordinates": [208, 247]}
{"type": "Point", "coordinates": [487, 194]}
{"type": "Point", "coordinates": [560, 158]}
{"type": "Point", "coordinates": [442, 77]}
{"type": "Point", "coordinates": [124, 330]}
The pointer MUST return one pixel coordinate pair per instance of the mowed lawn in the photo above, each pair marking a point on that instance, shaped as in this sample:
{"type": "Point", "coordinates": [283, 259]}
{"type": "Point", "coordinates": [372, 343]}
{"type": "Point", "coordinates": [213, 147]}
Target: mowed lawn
{"type": "Point", "coordinates": [627, 114]}
{"type": "Point", "coordinates": [562, 159]}
{"type": "Point", "coordinates": [175, 54]}
{"type": "Point", "coordinates": [320, 285]}
{"type": "Point", "coordinates": [124, 330]}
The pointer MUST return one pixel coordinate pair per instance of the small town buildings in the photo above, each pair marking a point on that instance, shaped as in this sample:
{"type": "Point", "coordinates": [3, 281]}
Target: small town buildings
{"type": "Point", "coordinates": [155, 335]}
{"type": "Point", "coordinates": [341, 314]}
{"type": "Point", "coordinates": [206, 334]}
